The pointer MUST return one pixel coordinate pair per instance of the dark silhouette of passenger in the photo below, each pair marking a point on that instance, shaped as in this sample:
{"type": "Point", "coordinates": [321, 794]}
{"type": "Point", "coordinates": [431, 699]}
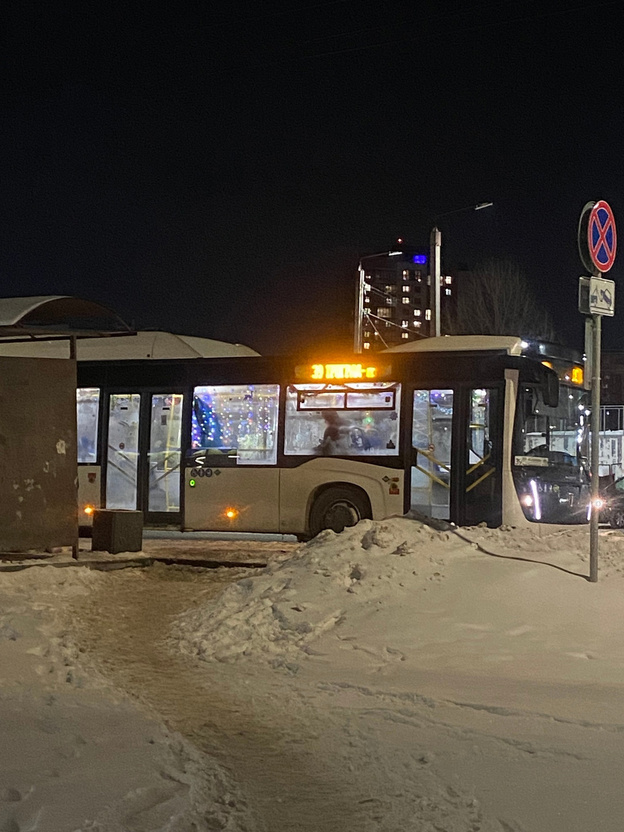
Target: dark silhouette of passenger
{"type": "Point", "coordinates": [336, 438]}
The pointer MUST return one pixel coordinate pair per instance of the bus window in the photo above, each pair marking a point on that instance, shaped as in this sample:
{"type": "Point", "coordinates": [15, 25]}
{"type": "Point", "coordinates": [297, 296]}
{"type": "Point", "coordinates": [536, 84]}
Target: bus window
{"type": "Point", "coordinates": [355, 420]}
{"type": "Point", "coordinates": [432, 430]}
{"type": "Point", "coordinates": [87, 414]}
{"type": "Point", "coordinates": [236, 420]}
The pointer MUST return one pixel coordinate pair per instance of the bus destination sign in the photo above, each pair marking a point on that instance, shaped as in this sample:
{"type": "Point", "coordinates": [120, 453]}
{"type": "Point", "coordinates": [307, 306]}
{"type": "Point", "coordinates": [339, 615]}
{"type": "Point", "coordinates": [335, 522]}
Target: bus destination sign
{"type": "Point", "coordinates": [327, 372]}
{"type": "Point", "coordinates": [340, 372]}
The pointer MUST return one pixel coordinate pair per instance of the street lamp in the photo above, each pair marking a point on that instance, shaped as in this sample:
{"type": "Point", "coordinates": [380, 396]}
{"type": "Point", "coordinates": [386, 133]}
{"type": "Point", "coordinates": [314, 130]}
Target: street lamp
{"type": "Point", "coordinates": [435, 247]}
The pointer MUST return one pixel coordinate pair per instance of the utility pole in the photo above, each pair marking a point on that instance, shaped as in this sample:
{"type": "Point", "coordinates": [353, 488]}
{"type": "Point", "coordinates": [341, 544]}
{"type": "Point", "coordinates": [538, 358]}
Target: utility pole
{"type": "Point", "coordinates": [359, 310]}
{"type": "Point", "coordinates": [435, 252]}
{"type": "Point", "coordinates": [435, 265]}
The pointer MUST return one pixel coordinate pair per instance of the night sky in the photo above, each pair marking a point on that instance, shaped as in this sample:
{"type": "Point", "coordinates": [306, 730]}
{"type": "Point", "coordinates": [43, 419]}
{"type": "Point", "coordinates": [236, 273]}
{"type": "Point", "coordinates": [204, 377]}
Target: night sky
{"type": "Point", "coordinates": [218, 170]}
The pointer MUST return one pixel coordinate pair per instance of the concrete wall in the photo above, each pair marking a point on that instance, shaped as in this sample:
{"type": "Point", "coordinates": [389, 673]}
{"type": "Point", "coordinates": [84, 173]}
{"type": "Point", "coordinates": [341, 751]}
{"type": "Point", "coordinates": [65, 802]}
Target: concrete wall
{"type": "Point", "coordinates": [38, 469]}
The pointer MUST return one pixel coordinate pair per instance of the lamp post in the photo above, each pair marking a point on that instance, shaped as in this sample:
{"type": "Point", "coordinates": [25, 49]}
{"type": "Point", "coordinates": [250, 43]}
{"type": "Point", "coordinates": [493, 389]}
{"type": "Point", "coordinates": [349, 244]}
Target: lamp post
{"type": "Point", "coordinates": [435, 251]}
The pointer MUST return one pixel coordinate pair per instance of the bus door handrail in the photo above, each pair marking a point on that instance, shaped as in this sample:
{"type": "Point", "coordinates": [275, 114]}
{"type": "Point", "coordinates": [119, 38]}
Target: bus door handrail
{"type": "Point", "coordinates": [483, 476]}
{"type": "Point", "coordinates": [428, 455]}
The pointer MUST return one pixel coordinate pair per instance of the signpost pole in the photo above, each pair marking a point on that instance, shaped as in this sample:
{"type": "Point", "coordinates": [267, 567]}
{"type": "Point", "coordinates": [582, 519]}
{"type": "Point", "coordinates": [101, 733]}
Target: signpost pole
{"type": "Point", "coordinates": [595, 447]}
{"type": "Point", "coordinates": [597, 242]}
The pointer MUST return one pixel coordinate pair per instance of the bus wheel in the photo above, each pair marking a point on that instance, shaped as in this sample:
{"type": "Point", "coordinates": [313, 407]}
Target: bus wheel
{"type": "Point", "coordinates": [338, 508]}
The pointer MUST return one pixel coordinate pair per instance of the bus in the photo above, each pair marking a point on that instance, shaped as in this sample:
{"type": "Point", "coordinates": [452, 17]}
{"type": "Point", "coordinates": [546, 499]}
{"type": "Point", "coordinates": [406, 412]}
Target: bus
{"type": "Point", "coordinates": [467, 429]}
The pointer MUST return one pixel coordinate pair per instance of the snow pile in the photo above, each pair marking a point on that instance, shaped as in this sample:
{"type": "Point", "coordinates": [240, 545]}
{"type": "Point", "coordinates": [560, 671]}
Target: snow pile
{"type": "Point", "coordinates": [282, 612]}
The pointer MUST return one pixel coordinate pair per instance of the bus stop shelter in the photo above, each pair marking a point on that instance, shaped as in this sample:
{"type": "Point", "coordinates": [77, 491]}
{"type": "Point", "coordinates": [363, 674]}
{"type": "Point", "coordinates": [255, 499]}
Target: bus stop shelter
{"type": "Point", "coordinates": [38, 458]}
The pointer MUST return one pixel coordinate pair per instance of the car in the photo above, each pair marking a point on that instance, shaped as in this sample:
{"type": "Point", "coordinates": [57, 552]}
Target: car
{"type": "Point", "coordinates": [613, 510]}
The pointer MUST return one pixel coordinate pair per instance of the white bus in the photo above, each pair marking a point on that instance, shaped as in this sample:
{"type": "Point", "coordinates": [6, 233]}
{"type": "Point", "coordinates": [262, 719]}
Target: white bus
{"type": "Point", "coordinates": [467, 429]}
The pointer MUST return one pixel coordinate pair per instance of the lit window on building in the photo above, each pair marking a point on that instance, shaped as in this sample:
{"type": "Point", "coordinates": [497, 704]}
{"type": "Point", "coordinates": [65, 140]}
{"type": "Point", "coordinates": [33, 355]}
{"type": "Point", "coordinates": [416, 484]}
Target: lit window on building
{"type": "Point", "coordinates": [448, 280]}
{"type": "Point", "coordinates": [405, 274]}
{"type": "Point", "coordinates": [427, 314]}
{"type": "Point", "coordinates": [388, 324]}
{"type": "Point", "coordinates": [405, 335]}
{"type": "Point", "coordinates": [404, 323]}
{"type": "Point", "coordinates": [418, 275]}
{"type": "Point", "coordinates": [448, 291]}
{"type": "Point", "coordinates": [417, 324]}
{"type": "Point", "coordinates": [366, 345]}
{"type": "Point", "coordinates": [417, 313]}
{"type": "Point", "coordinates": [382, 312]}
{"type": "Point", "coordinates": [405, 300]}
{"type": "Point", "coordinates": [390, 288]}
{"type": "Point", "coordinates": [390, 301]}
{"type": "Point", "coordinates": [406, 289]}
{"type": "Point", "coordinates": [367, 334]}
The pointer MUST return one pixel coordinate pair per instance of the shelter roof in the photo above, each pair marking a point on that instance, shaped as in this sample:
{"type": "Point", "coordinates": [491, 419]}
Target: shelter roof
{"type": "Point", "coordinates": [58, 316]}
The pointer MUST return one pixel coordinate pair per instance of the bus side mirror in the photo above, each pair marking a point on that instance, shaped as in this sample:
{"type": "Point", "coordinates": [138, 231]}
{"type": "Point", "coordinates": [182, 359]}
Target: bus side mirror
{"type": "Point", "coordinates": [551, 390]}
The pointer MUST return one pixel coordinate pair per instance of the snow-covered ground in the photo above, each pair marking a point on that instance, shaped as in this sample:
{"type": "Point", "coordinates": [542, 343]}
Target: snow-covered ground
{"type": "Point", "coordinates": [394, 677]}
{"type": "Point", "coordinates": [75, 753]}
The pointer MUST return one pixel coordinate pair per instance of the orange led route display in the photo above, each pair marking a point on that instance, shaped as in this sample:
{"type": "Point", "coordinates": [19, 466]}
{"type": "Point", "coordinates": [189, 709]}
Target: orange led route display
{"type": "Point", "coordinates": [328, 372]}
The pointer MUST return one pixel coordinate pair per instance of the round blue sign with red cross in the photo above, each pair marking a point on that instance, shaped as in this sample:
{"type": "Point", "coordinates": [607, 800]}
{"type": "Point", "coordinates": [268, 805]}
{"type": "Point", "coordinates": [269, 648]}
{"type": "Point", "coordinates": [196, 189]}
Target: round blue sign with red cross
{"type": "Point", "coordinates": [601, 236]}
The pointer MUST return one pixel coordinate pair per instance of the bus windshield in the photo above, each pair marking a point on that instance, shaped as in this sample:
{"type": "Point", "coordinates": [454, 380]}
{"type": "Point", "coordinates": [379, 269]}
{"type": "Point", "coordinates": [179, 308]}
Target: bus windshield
{"type": "Point", "coordinates": [547, 437]}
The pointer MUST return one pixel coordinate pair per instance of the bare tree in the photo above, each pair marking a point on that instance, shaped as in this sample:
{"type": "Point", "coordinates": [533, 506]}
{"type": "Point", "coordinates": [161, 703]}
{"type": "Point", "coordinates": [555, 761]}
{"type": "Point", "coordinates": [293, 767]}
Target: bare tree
{"type": "Point", "coordinates": [496, 299]}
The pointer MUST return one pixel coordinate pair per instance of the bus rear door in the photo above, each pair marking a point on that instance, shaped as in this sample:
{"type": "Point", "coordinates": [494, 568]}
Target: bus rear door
{"type": "Point", "coordinates": [143, 454]}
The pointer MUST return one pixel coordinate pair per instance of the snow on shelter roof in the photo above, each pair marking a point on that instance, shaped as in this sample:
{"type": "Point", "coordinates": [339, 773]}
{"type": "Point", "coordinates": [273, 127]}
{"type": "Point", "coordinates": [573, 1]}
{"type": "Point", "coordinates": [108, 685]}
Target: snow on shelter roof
{"type": "Point", "coordinates": [58, 316]}
{"type": "Point", "coordinates": [144, 344]}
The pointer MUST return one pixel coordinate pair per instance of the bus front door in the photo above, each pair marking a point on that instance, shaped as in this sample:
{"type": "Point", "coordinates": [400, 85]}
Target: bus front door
{"type": "Point", "coordinates": [456, 455]}
{"type": "Point", "coordinates": [481, 497]}
{"type": "Point", "coordinates": [143, 455]}
{"type": "Point", "coordinates": [432, 434]}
